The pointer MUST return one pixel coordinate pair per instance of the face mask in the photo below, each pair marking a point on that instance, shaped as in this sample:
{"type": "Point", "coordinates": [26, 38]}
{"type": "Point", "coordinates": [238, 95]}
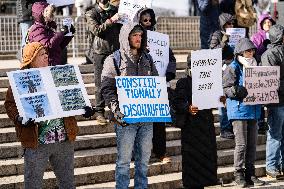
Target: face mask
{"type": "Point", "coordinates": [247, 61]}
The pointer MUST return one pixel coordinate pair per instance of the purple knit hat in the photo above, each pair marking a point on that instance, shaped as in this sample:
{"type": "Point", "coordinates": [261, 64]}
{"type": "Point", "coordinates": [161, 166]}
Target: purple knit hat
{"type": "Point", "coordinates": [37, 10]}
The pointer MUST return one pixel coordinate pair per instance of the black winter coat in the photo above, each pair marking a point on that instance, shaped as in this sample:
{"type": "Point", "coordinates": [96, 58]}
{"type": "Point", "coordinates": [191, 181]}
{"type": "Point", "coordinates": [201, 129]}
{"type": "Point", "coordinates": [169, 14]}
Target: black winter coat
{"type": "Point", "coordinates": [198, 140]}
{"type": "Point", "coordinates": [102, 33]}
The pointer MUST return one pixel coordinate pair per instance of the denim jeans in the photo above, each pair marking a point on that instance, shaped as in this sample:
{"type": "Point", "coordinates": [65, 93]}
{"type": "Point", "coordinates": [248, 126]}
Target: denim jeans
{"type": "Point", "coordinates": [225, 124]}
{"type": "Point", "coordinates": [137, 136]}
{"type": "Point", "coordinates": [275, 138]}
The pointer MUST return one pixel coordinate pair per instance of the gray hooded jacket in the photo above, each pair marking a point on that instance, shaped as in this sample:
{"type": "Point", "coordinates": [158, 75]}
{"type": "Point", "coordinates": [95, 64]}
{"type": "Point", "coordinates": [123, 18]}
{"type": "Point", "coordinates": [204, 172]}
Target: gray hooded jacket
{"type": "Point", "coordinates": [274, 55]}
{"type": "Point", "coordinates": [127, 67]}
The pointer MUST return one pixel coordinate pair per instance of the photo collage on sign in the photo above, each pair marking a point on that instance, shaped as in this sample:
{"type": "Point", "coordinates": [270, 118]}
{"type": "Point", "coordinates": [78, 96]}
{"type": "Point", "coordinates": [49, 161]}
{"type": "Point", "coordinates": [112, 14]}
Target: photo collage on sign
{"type": "Point", "coordinates": [31, 83]}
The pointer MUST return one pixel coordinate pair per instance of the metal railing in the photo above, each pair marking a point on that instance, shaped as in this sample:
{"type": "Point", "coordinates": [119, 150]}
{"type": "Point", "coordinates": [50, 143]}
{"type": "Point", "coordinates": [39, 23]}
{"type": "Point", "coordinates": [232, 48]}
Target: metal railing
{"type": "Point", "coordinates": [183, 32]}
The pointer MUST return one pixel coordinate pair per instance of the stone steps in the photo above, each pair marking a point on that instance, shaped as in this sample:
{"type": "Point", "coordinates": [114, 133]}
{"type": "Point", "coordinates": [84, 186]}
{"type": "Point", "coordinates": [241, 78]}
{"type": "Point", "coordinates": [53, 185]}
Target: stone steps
{"type": "Point", "coordinates": [103, 175]}
{"type": "Point", "coordinates": [173, 180]}
{"type": "Point", "coordinates": [87, 126]}
{"type": "Point", "coordinates": [95, 157]}
{"type": "Point", "coordinates": [86, 141]}
{"type": "Point", "coordinates": [94, 141]}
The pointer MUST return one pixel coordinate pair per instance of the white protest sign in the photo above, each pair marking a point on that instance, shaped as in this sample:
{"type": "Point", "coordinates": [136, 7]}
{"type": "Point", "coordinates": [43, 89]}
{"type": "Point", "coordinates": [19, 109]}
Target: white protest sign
{"type": "Point", "coordinates": [235, 35]}
{"type": "Point", "coordinates": [128, 8]}
{"type": "Point", "coordinates": [262, 83]}
{"type": "Point", "coordinates": [49, 92]}
{"type": "Point", "coordinates": [206, 70]}
{"type": "Point", "coordinates": [143, 98]}
{"type": "Point", "coordinates": [59, 3]}
{"type": "Point", "coordinates": [68, 22]}
{"type": "Point", "coordinates": [159, 45]}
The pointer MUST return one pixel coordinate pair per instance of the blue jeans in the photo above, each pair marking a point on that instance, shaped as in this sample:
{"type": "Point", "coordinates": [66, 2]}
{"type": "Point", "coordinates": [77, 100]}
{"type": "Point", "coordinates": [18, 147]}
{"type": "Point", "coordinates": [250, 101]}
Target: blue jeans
{"type": "Point", "coordinates": [225, 124]}
{"type": "Point", "coordinates": [275, 138]}
{"type": "Point", "coordinates": [137, 136]}
{"type": "Point", "coordinates": [24, 30]}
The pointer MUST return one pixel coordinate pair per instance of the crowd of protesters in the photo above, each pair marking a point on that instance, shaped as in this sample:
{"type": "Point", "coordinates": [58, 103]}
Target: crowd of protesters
{"type": "Point", "coordinates": [118, 49]}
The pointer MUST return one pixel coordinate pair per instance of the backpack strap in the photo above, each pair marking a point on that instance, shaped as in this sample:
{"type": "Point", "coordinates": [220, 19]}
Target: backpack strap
{"type": "Point", "coordinates": [117, 61]}
{"type": "Point", "coordinates": [150, 59]}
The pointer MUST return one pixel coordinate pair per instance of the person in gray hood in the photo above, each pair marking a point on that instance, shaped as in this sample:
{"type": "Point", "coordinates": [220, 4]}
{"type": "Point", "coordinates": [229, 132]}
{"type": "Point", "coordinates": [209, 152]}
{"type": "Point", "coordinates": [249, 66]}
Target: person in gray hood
{"type": "Point", "coordinates": [274, 56]}
{"type": "Point", "coordinates": [131, 59]}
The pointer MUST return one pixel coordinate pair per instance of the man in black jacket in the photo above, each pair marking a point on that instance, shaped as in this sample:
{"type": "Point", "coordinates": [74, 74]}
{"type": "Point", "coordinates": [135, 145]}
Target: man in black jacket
{"type": "Point", "coordinates": [103, 32]}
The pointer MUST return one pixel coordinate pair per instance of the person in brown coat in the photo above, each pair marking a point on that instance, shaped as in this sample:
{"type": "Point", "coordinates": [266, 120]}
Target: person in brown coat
{"type": "Point", "coordinates": [51, 140]}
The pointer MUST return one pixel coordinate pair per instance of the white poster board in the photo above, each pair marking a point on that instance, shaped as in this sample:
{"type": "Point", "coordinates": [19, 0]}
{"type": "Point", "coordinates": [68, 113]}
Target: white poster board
{"type": "Point", "coordinates": [262, 83]}
{"type": "Point", "coordinates": [206, 70]}
{"type": "Point", "coordinates": [159, 45]}
{"type": "Point", "coordinates": [49, 92]}
{"type": "Point", "coordinates": [235, 35]}
{"type": "Point", "coordinates": [128, 8]}
{"type": "Point", "coordinates": [59, 3]}
{"type": "Point", "coordinates": [143, 98]}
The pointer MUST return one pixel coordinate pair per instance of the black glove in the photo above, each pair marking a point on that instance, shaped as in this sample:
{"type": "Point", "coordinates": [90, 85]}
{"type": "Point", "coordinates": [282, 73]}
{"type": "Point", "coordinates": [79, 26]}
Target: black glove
{"type": "Point", "coordinates": [89, 112]}
{"type": "Point", "coordinates": [72, 29]}
{"type": "Point", "coordinates": [240, 92]}
{"type": "Point", "coordinates": [28, 123]}
{"type": "Point", "coordinates": [170, 76]}
{"type": "Point", "coordinates": [64, 29]}
{"type": "Point", "coordinates": [118, 116]}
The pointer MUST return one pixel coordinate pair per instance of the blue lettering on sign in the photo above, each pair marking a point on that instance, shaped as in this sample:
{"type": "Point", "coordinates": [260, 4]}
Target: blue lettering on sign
{"type": "Point", "coordinates": [128, 83]}
{"type": "Point", "coordinates": [143, 93]}
{"type": "Point", "coordinates": [146, 110]}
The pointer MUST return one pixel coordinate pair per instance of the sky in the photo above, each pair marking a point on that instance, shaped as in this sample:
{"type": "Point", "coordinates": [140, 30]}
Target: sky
{"type": "Point", "coordinates": [180, 7]}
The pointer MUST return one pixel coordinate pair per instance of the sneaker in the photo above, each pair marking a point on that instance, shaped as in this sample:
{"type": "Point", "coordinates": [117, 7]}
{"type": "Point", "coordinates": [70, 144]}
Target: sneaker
{"type": "Point", "coordinates": [100, 118]}
{"type": "Point", "coordinates": [254, 181]}
{"type": "Point", "coordinates": [240, 180]}
{"type": "Point", "coordinates": [165, 159]}
{"type": "Point", "coordinates": [227, 134]}
{"type": "Point", "coordinates": [276, 174]}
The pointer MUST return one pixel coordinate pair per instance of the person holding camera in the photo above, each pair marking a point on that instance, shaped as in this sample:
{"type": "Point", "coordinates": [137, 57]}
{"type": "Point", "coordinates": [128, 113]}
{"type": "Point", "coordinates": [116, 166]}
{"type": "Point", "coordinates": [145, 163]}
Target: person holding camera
{"type": "Point", "coordinates": [43, 31]}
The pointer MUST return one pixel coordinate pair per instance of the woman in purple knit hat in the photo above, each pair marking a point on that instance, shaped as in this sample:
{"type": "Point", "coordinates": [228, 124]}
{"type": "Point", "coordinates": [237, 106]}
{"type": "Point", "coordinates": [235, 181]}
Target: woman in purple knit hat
{"type": "Point", "coordinates": [43, 31]}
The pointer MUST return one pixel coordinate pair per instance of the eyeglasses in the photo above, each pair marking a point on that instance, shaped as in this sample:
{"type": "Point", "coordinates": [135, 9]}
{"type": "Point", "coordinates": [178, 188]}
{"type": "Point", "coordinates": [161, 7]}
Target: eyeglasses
{"type": "Point", "coordinates": [147, 20]}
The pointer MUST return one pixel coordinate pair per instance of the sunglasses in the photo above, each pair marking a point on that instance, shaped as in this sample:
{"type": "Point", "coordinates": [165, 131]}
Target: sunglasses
{"type": "Point", "coordinates": [250, 50]}
{"type": "Point", "coordinates": [147, 20]}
